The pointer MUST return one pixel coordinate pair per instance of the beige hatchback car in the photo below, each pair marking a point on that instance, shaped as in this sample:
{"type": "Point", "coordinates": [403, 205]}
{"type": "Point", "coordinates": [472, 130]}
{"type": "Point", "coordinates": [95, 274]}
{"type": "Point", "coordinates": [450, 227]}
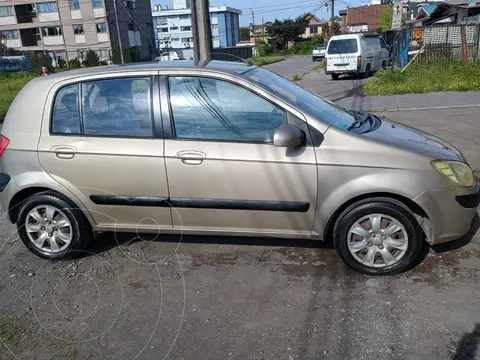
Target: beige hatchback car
{"type": "Point", "coordinates": [223, 148]}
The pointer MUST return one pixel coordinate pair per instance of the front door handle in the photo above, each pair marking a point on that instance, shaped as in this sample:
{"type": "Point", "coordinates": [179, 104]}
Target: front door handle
{"type": "Point", "coordinates": [191, 157]}
{"type": "Point", "coordinates": [64, 151]}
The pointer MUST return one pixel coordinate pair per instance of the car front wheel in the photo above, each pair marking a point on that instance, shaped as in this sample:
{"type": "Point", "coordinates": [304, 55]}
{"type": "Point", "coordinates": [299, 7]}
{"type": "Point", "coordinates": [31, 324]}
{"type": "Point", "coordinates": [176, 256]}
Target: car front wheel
{"type": "Point", "coordinates": [378, 237]}
{"type": "Point", "coordinates": [334, 76]}
{"type": "Point", "coordinates": [52, 228]}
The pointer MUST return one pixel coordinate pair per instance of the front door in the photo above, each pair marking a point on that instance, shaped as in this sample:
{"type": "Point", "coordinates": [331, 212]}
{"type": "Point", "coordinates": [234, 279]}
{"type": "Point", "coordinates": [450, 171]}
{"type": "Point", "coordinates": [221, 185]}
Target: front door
{"type": "Point", "coordinates": [98, 140]}
{"type": "Point", "coordinates": [224, 173]}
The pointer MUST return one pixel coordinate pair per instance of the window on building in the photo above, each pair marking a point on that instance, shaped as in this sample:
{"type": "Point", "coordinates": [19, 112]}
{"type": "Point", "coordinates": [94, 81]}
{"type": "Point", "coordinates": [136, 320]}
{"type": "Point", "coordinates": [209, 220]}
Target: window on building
{"type": "Point", "coordinates": [6, 11]}
{"type": "Point", "coordinates": [216, 38]}
{"type": "Point", "coordinates": [74, 4]}
{"type": "Point", "coordinates": [214, 26]}
{"type": "Point", "coordinates": [213, 16]}
{"type": "Point", "coordinates": [173, 28]}
{"type": "Point", "coordinates": [163, 30]}
{"type": "Point", "coordinates": [212, 109]}
{"type": "Point", "coordinates": [66, 112]}
{"type": "Point", "coordinates": [173, 17]}
{"type": "Point", "coordinates": [130, 4]}
{"type": "Point", "coordinates": [78, 29]}
{"type": "Point", "coordinates": [184, 17]}
{"type": "Point", "coordinates": [10, 34]}
{"type": "Point", "coordinates": [51, 31]}
{"type": "Point", "coordinates": [187, 39]}
{"type": "Point", "coordinates": [117, 107]}
{"type": "Point", "coordinates": [35, 31]}
{"type": "Point", "coordinates": [47, 7]}
{"type": "Point", "coordinates": [162, 20]}
{"type": "Point", "coordinates": [175, 39]}
{"type": "Point", "coordinates": [97, 4]}
{"type": "Point", "coordinates": [314, 30]}
{"type": "Point", "coordinates": [186, 28]}
{"type": "Point", "coordinates": [101, 28]}
{"type": "Point", "coordinates": [130, 27]}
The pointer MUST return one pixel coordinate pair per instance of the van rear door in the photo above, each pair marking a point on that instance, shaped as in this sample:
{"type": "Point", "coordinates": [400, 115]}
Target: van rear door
{"type": "Point", "coordinates": [342, 55]}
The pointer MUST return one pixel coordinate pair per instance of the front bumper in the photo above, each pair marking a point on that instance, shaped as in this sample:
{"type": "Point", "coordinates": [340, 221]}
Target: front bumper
{"type": "Point", "coordinates": [448, 217]}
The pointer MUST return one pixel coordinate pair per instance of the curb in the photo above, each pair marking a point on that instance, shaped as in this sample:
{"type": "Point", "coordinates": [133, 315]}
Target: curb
{"type": "Point", "coordinates": [425, 108]}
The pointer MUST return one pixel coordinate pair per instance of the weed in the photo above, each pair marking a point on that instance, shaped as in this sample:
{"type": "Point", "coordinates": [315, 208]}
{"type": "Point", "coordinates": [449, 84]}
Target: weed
{"type": "Point", "coordinates": [264, 60]}
{"type": "Point", "coordinates": [296, 78]}
{"type": "Point", "coordinates": [319, 66]}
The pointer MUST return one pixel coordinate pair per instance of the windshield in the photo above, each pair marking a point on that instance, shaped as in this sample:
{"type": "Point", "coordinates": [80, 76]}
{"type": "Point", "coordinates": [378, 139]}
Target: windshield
{"type": "Point", "coordinates": [344, 46]}
{"type": "Point", "coordinates": [318, 107]}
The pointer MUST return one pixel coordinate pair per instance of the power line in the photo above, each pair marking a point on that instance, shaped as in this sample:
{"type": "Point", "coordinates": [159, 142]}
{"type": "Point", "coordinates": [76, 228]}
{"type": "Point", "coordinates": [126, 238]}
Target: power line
{"type": "Point", "coordinates": [279, 5]}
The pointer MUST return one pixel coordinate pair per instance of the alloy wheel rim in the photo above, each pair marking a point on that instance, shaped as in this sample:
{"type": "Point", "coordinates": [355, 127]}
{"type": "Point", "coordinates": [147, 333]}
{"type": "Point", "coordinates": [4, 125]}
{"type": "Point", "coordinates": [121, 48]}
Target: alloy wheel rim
{"type": "Point", "coordinates": [49, 229]}
{"type": "Point", "coordinates": [377, 240]}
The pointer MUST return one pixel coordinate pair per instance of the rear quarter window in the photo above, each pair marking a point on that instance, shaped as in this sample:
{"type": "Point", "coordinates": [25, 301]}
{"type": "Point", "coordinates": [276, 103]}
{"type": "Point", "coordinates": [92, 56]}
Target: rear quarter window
{"type": "Point", "coordinates": [342, 46]}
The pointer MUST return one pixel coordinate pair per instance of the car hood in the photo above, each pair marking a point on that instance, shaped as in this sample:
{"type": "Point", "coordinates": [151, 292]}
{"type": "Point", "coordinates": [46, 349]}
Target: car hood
{"type": "Point", "coordinates": [414, 140]}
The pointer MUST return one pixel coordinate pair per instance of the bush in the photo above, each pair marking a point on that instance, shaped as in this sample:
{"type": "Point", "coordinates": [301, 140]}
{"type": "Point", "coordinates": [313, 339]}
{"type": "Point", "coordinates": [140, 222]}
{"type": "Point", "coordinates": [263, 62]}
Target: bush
{"type": "Point", "coordinates": [74, 63]}
{"type": "Point", "coordinates": [130, 54]}
{"type": "Point", "coordinates": [37, 61]}
{"type": "Point", "coordinates": [10, 85]}
{"type": "Point", "coordinates": [92, 58]}
{"type": "Point", "coordinates": [263, 48]}
{"type": "Point", "coordinates": [306, 47]}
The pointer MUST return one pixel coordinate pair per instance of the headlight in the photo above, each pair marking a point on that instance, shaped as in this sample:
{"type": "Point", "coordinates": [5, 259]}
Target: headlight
{"type": "Point", "coordinates": [456, 172]}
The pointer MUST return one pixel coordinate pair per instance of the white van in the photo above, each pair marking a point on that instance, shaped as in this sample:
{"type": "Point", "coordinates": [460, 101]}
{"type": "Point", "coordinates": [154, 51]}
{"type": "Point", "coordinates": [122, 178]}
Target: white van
{"type": "Point", "coordinates": [358, 54]}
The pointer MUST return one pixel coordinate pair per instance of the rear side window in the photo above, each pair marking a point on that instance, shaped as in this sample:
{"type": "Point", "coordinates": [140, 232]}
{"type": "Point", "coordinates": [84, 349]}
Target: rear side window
{"type": "Point", "coordinates": [343, 46]}
{"type": "Point", "coordinates": [66, 111]}
{"type": "Point", "coordinates": [118, 107]}
{"type": "Point", "coordinates": [113, 107]}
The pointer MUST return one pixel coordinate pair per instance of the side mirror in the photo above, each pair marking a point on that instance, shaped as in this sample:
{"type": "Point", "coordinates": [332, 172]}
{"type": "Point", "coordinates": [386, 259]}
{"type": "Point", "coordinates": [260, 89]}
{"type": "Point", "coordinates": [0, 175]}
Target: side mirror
{"type": "Point", "coordinates": [288, 136]}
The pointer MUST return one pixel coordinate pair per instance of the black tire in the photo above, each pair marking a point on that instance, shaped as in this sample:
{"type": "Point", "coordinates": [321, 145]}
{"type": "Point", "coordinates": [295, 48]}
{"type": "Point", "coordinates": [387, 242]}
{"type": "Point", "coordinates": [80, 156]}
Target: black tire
{"type": "Point", "coordinates": [384, 65]}
{"type": "Point", "coordinates": [82, 233]}
{"type": "Point", "coordinates": [391, 208]}
{"type": "Point", "coordinates": [313, 59]}
{"type": "Point", "coordinates": [366, 74]}
{"type": "Point", "coordinates": [334, 76]}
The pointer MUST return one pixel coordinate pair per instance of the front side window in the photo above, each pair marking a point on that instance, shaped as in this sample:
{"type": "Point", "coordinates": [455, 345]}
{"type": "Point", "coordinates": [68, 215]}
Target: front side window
{"type": "Point", "coordinates": [211, 109]}
{"type": "Point", "coordinates": [117, 107]}
{"type": "Point", "coordinates": [66, 113]}
{"type": "Point", "coordinates": [101, 28]}
{"type": "Point", "coordinates": [47, 7]}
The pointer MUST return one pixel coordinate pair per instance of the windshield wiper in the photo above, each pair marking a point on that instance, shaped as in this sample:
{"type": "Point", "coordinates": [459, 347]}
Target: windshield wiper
{"type": "Point", "coordinates": [360, 118]}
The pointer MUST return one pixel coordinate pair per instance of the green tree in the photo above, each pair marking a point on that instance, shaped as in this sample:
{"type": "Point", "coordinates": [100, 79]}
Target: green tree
{"type": "Point", "coordinates": [386, 17]}
{"type": "Point", "coordinates": [92, 58]}
{"type": "Point", "coordinates": [244, 33]}
{"type": "Point", "coordinates": [283, 31]}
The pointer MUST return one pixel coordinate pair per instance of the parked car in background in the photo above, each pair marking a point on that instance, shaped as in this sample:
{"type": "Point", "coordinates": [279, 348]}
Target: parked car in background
{"type": "Point", "coordinates": [224, 148]}
{"type": "Point", "coordinates": [318, 52]}
{"type": "Point", "coordinates": [168, 56]}
{"type": "Point", "coordinates": [357, 54]}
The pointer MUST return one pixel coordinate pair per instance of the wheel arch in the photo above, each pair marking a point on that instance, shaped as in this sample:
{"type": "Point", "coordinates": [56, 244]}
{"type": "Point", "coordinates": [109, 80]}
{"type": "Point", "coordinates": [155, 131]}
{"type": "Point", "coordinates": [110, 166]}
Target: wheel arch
{"type": "Point", "coordinates": [397, 199]}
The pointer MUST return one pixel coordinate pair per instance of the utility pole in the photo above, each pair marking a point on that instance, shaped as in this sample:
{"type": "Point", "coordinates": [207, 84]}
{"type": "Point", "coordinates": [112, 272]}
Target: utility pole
{"type": "Point", "coordinates": [333, 11]}
{"type": "Point", "coordinates": [201, 31]}
{"type": "Point", "coordinates": [118, 30]}
{"type": "Point", "coordinates": [254, 33]}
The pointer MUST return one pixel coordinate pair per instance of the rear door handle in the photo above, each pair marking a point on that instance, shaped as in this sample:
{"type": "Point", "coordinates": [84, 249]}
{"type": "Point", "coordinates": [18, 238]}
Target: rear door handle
{"type": "Point", "coordinates": [64, 151]}
{"type": "Point", "coordinates": [191, 157]}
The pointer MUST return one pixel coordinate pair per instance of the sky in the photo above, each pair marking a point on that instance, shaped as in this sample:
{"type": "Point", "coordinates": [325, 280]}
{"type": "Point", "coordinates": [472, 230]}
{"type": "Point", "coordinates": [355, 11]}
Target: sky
{"type": "Point", "coordinates": [270, 10]}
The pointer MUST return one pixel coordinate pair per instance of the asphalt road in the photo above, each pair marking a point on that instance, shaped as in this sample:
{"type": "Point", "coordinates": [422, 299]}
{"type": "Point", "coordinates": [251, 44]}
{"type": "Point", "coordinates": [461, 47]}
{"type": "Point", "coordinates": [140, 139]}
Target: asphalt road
{"type": "Point", "coordinates": [142, 297]}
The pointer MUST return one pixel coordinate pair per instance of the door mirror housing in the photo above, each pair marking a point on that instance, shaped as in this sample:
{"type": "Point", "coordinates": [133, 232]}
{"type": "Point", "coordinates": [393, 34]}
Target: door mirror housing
{"type": "Point", "coordinates": [288, 136]}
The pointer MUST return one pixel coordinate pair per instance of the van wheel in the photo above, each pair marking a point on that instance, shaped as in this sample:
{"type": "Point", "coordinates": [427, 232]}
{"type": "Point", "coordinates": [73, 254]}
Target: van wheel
{"type": "Point", "coordinates": [377, 237]}
{"type": "Point", "coordinates": [384, 65]}
{"type": "Point", "coordinates": [334, 76]}
{"type": "Point", "coordinates": [366, 74]}
{"type": "Point", "coordinates": [52, 228]}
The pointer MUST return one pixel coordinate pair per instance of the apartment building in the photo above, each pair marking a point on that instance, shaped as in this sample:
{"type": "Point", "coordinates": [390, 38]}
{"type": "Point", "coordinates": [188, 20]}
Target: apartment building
{"type": "Point", "coordinates": [173, 27]}
{"type": "Point", "coordinates": [66, 29]}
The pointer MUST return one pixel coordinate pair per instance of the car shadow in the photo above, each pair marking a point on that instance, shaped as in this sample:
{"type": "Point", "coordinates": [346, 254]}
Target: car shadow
{"type": "Point", "coordinates": [467, 347]}
{"type": "Point", "coordinates": [107, 241]}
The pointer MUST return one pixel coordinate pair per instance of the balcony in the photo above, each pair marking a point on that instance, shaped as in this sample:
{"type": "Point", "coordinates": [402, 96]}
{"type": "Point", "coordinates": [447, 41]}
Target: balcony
{"type": "Point", "coordinates": [25, 13]}
{"type": "Point", "coordinates": [14, 43]}
{"type": "Point", "coordinates": [48, 17]}
{"type": "Point", "coordinates": [53, 40]}
{"type": "Point", "coordinates": [30, 37]}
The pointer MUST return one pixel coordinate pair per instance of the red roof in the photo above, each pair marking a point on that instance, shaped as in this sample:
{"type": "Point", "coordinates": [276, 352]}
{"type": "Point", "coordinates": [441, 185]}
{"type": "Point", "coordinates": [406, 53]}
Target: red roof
{"type": "Point", "coordinates": [369, 15]}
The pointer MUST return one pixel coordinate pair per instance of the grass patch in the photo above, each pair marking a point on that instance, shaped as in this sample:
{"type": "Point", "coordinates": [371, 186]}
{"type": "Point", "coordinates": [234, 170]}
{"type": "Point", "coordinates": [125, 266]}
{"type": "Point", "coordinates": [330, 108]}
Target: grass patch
{"type": "Point", "coordinates": [425, 77]}
{"type": "Point", "coordinates": [265, 60]}
{"type": "Point", "coordinates": [319, 66]}
{"type": "Point", "coordinates": [296, 77]}
{"type": "Point", "coordinates": [10, 85]}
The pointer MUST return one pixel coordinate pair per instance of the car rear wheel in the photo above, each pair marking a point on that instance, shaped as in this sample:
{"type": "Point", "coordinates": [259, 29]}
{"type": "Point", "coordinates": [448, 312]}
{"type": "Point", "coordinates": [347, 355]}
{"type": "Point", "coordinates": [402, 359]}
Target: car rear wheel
{"type": "Point", "coordinates": [384, 65]}
{"type": "Point", "coordinates": [366, 74]}
{"type": "Point", "coordinates": [378, 237]}
{"type": "Point", "coordinates": [334, 76]}
{"type": "Point", "coordinates": [52, 228]}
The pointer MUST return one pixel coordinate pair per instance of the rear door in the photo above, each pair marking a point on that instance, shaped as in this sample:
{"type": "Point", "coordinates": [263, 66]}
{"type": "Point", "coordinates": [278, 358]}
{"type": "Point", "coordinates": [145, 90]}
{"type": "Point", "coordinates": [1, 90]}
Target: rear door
{"type": "Point", "coordinates": [99, 140]}
{"type": "Point", "coordinates": [342, 55]}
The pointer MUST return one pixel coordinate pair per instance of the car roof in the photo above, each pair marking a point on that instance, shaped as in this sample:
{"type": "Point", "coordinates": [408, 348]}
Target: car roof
{"type": "Point", "coordinates": [221, 66]}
